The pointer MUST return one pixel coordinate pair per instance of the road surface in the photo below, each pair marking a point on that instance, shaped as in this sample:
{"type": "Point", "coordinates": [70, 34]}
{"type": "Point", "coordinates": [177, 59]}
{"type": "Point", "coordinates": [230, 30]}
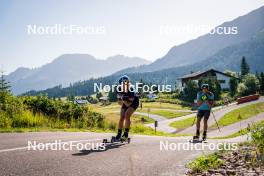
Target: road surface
{"type": "Point", "coordinates": [141, 157]}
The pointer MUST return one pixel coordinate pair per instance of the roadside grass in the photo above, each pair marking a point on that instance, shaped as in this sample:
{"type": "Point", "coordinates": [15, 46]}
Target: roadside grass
{"type": "Point", "coordinates": [135, 119]}
{"type": "Point", "coordinates": [160, 105]}
{"type": "Point", "coordinates": [253, 148]}
{"type": "Point", "coordinates": [138, 129]}
{"type": "Point", "coordinates": [205, 162]}
{"type": "Point", "coordinates": [110, 111]}
{"type": "Point", "coordinates": [49, 129]}
{"type": "Point", "coordinates": [165, 113]}
{"type": "Point", "coordinates": [236, 134]}
{"type": "Point", "coordinates": [241, 132]}
{"type": "Point", "coordinates": [181, 124]}
{"type": "Point", "coordinates": [240, 114]}
{"type": "Point", "coordinates": [105, 109]}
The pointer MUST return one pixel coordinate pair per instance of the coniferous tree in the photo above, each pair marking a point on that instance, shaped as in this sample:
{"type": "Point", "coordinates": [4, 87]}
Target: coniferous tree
{"type": "Point", "coordinates": [4, 85]}
{"type": "Point", "coordinates": [4, 92]}
{"type": "Point", "coordinates": [244, 67]}
{"type": "Point", "coordinates": [233, 83]}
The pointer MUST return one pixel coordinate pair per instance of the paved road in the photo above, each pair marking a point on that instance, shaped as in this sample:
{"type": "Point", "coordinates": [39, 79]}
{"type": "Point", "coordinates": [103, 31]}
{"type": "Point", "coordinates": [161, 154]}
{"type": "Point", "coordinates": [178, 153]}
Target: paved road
{"type": "Point", "coordinates": [141, 157]}
{"type": "Point", "coordinates": [164, 125]}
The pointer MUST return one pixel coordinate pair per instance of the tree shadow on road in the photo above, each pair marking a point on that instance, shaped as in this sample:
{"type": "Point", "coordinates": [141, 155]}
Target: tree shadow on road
{"type": "Point", "coordinates": [98, 150]}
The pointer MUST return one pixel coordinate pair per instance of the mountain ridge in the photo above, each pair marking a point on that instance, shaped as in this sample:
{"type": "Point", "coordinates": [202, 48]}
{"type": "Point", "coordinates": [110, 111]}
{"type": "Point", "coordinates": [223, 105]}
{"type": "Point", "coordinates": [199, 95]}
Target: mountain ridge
{"type": "Point", "coordinates": [207, 45]}
{"type": "Point", "coordinates": [66, 69]}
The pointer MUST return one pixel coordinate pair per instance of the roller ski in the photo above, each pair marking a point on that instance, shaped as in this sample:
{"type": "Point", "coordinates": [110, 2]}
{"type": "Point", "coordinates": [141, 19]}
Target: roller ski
{"type": "Point", "coordinates": [115, 139]}
{"type": "Point", "coordinates": [196, 139]}
{"type": "Point", "coordinates": [118, 140]}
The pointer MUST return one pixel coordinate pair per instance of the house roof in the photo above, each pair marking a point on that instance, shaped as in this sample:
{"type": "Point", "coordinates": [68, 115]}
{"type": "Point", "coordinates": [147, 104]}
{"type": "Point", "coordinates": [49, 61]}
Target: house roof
{"type": "Point", "coordinates": [199, 73]}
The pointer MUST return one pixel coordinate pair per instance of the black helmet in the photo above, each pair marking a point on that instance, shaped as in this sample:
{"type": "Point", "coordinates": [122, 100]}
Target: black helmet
{"type": "Point", "coordinates": [123, 79]}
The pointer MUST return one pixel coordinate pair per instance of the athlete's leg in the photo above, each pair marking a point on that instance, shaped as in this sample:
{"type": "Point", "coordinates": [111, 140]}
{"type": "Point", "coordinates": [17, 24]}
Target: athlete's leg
{"type": "Point", "coordinates": [121, 123]}
{"type": "Point", "coordinates": [199, 118]}
{"type": "Point", "coordinates": [205, 124]}
{"type": "Point", "coordinates": [198, 126]}
{"type": "Point", "coordinates": [122, 118]}
{"type": "Point", "coordinates": [128, 114]}
{"type": "Point", "coordinates": [206, 117]}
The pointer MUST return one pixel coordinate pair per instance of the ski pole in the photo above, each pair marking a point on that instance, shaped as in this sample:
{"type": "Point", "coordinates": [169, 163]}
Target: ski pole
{"type": "Point", "coordinates": [216, 122]}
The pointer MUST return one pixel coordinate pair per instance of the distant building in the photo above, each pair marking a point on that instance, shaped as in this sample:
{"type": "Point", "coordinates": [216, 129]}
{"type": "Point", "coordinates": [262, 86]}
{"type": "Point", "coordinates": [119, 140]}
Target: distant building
{"type": "Point", "coordinates": [104, 100]}
{"type": "Point", "coordinates": [81, 102]}
{"type": "Point", "coordinates": [222, 78]}
{"type": "Point", "coordinates": [152, 95]}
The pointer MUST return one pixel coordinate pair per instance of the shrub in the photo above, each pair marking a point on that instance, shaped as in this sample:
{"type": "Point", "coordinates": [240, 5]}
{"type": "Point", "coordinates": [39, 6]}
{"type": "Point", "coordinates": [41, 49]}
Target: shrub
{"type": "Point", "coordinates": [257, 135]}
{"type": "Point", "coordinates": [31, 111]}
{"type": "Point", "coordinates": [204, 162]}
{"type": "Point", "coordinates": [249, 85]}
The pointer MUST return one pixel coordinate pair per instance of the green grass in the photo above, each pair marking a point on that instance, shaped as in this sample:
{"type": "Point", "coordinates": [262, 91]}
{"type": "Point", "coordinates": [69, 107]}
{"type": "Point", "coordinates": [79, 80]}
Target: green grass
{"type": "Point", "coordinates": [236, 134]}
{"type": "Point", "coordinates": [135, 129]}
{"type": "Point", "coordinates": [181, 124]}
{"type": "Point", "coordinates": [239, 133]}
{"type": "Point", "coordinates": [240, 114]}
{"type": "Point", "coordinates": [205, 162]}
{"type": "Point", "coordinates": [160, 105]}
{"type": "Point", "coordinates": [49, 129]}
{"type": "Point", "coordinates": [165, 113]}
{"type": "Point", "coordinates": [141, 119]}
{"type": "Point", "coordinates": [169, 114]}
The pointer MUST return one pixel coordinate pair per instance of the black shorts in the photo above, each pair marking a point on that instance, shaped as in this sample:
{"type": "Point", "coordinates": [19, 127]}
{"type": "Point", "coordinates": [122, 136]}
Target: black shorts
{"type": "Point", "coordinates": [134, 104]}
{"type": "Point", "coordinates": [204, 113]}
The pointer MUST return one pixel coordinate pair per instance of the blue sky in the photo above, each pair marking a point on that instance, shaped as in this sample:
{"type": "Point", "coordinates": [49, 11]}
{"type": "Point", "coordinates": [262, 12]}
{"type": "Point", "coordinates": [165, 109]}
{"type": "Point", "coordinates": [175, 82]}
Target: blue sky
{"type": "Point", "coordinates": [132, 27]}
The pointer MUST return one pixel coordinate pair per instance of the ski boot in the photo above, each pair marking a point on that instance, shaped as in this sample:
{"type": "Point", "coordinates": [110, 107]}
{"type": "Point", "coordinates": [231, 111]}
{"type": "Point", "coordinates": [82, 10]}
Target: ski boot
{"type": "Point", "coordinates": [204, 136]}
{"type": "Point", "coordinates": [116, 138]}
{"type": "Point", "coordinates": [196, 138]}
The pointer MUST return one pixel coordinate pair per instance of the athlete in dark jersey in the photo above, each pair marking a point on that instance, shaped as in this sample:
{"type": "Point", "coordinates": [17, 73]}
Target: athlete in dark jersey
{"type": "Point", "coordinates": [129, 102]}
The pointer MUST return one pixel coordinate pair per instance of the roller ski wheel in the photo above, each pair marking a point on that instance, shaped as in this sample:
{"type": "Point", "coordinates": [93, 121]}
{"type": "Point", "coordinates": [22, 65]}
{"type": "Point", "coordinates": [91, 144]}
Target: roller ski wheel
{"type": "Point", "coordinates": [104, 141]}
{"type": "Point", "coordinates": [125, 139]}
